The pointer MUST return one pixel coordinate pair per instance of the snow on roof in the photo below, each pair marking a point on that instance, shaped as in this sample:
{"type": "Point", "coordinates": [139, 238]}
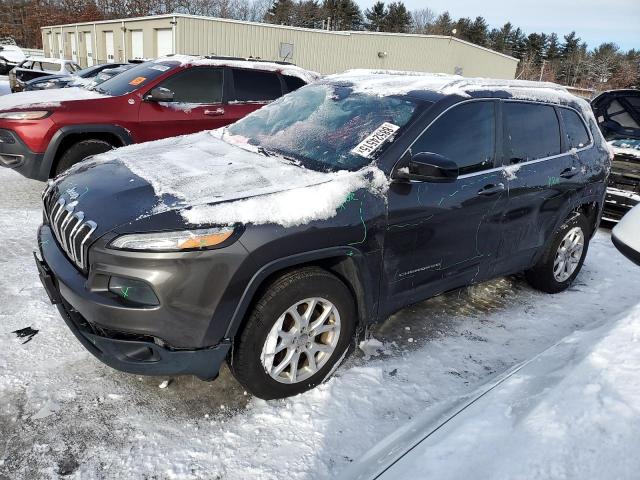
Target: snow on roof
{"type": "Point", "coordinates": [231, 184]}
{"type": "Point", "coordinates": [396, 82]}
{"type": "Point", "coordinates": [286, 69]}
{"type": "Point", "coordinates": [45, 98]}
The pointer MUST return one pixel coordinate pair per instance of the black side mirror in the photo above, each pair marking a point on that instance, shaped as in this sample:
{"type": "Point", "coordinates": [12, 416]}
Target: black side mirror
{"type": "Point", "coordinates": [159, 94]}
{"type": "Point", "coordinates": [429, 167]}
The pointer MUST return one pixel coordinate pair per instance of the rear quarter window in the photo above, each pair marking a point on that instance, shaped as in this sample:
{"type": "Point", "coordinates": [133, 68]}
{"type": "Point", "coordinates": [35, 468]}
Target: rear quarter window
{"type": "Point", "coordinates": [256, 86]}
{"type": "Point", "coordinates": [531, 131]}
{"type": "Point", "coordinates": [575, 130]}
{"type": "Point", "coordinates": [293, 83]}
{"type": "Point", "coordinates": [52, 67]}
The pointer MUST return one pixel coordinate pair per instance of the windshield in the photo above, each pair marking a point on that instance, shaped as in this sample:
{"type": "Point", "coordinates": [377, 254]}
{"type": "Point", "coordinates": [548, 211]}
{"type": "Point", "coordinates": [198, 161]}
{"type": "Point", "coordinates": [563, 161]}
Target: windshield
{"type": "Point", "coordinates": [321, 126]}
{"type": "Point", "coordinates": [134, 78]}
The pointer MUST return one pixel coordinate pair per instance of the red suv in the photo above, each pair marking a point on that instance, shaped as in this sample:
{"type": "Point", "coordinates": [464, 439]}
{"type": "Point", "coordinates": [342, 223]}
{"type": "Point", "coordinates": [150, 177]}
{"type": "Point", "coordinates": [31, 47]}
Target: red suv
{"type": "Point", "coordinates": [42, 133]}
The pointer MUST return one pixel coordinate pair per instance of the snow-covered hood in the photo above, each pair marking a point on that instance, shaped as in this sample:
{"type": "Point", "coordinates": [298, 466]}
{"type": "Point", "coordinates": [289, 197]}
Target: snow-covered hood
{"type": "Point", "coordinates": [209, 182]}
{"type": "Point", "coordinates": [42, 99]}
{"type": "Point", "coordinates": [12, 54]}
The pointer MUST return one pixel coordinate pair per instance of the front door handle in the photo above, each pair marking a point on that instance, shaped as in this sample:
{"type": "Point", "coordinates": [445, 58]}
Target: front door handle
{"type": "Point", "coordinates": [215, 112]}
{"type": "Point", "coordinates": [569, 172]}
{"type": "Point", "coordinates": [491, 189]}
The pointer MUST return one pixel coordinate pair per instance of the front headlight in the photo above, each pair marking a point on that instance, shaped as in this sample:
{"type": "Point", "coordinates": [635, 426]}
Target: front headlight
{"type": "Point", "coordinates": [173, 241]}
{"type": "Point", "coordinates": [46, 85]}
{"type": "Point", "coordinates": [35, 115]}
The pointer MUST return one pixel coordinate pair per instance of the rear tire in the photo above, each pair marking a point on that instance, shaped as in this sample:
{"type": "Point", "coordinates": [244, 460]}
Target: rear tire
{"type": "Point", "coordinates": [80, 151]}
{"type": "Point", "coordinates": [278, 337]}
{"type": "Point", "coordinates": [562, 260]}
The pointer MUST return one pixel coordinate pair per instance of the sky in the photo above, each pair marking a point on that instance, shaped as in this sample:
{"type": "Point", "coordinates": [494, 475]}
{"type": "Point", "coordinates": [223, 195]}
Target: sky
{"type": "Point", "coordinates": [595, 21]}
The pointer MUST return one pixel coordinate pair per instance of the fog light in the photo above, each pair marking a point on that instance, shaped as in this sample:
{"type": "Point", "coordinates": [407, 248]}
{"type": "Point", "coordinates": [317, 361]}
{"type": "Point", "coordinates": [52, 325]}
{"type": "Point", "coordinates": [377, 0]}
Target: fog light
{"type": "Point", "coordinates": [134, 291]}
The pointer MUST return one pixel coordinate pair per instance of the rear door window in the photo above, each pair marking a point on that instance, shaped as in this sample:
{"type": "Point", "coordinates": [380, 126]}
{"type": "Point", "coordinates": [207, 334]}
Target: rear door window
{"type": "Point", "coordinates": [256, 86]}
{"type": "Point", "coordinates": [531, 131]}
{"type": "Point", "coordinates": [465, 134]}
{"type": "Point", "coordinates": [196, 85]}
{"type": "Point", "coordinates": [575, 130]}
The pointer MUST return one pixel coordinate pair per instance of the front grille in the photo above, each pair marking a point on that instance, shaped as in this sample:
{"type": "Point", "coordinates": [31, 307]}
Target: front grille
{"type": "Point", "coordinates": [70, 227]}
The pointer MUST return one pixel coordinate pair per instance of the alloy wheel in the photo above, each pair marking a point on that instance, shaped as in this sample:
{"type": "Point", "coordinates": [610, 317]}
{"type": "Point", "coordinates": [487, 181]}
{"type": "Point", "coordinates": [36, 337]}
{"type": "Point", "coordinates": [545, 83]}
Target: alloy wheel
{"type": "Point", "coordinates": [568, 254]}
{"type": "Point", "coordinates": [301, 341]}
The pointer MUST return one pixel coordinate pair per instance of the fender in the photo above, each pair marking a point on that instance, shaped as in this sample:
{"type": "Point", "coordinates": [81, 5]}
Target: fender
{"type": "Point", "coordinates": [52, 149]}
{"type": "Point", "coordinates": [365, 288]}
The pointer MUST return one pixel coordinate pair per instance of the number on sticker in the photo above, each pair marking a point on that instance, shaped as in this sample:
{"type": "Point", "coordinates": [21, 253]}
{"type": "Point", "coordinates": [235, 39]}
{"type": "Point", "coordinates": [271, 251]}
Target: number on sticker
{"type": "Point", "coordinates": [378, 137]}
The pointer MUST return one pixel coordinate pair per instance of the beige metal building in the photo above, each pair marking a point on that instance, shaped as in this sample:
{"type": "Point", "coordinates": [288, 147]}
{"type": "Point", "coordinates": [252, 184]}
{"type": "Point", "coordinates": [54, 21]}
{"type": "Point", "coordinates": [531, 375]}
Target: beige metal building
{"type": "Point", "coordinates": [319, 50]}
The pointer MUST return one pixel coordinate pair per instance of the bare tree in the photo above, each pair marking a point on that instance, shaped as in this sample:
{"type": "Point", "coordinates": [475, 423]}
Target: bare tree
{"type": "Point", "coordinates": [422, 19]}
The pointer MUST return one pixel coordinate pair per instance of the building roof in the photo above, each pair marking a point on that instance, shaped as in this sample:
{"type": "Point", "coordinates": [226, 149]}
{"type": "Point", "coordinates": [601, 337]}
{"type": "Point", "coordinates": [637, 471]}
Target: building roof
{"type": "Point", "coordinates": [285, 27]}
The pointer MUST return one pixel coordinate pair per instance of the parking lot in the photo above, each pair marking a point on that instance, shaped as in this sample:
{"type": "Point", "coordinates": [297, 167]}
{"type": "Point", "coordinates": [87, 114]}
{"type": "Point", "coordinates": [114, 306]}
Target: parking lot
{"type": "Point", "coordinates": [64, 413]}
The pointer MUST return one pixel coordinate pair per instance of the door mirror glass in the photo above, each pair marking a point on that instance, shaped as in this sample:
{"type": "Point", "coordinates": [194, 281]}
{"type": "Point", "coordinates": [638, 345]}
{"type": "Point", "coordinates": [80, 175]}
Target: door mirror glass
{"type": "Point", "coordinates": [159, 94]}
{"type": "Point", "coordinates": [429, 167]}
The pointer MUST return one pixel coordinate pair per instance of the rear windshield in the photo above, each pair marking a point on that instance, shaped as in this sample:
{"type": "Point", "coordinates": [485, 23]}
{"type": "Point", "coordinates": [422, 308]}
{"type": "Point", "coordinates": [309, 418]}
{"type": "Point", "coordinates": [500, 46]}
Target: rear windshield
{"type": "Point", "coordinates": [135, 78]}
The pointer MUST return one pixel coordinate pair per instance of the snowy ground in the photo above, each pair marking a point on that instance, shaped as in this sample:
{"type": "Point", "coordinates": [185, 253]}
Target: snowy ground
{"type": "Point", "coordinates": [64, 413]}
{"type": "Point", "coordinates": [4, 85]}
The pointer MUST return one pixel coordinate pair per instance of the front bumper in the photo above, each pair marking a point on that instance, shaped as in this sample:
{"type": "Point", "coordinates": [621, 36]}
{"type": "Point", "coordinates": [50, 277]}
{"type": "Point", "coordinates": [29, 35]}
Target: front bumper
{"type": "Point", "coordinates": [16, 155]}
{"type": "Point", "coordinates": [617, 203]}
{"type": "Point", "coordinates": [125, 351]}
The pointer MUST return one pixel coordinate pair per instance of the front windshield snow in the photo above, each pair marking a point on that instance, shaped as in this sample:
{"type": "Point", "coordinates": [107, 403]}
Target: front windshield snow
{"type": "Point", "coordinates": [320, 125]}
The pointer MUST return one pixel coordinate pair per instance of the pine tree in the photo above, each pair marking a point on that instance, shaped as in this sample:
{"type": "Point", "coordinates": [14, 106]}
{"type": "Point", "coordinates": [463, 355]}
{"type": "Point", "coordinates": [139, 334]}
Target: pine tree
{"type": "Point", "coordinates": [375, 17]}
{"type": "Point", "coordinates": [308, 14]}
{"type": "Point", "coordinates": [398, 18]}
{"type": "Point", "coordinates": [344, 14]}
{"type": "Point", "coordinates": [478, 32]}
{"type": "Point", "coordinates": [443, 25]}
{"type": "Point", "coordinates": [281, 12]}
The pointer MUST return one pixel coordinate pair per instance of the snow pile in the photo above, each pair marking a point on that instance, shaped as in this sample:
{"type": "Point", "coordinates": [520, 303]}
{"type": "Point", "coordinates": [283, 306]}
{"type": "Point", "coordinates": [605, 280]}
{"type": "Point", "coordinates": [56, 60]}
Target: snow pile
{"type": "Point", "coordinates": [192, 171]}
{"type": "Point", "coordinates": [573, 412]}
{"type": "Point", "coordinates": [291, 70]}
{"type": "Point", "coordinates": [46, 98]}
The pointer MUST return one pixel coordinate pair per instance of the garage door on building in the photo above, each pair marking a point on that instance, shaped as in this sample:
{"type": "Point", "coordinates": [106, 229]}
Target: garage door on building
{"type": "Point", "coordinates": [74, 47]}
{"type": "Point", "coordinates": [59, 45]}
{"type": "Point", "coordinates": [108, 43]}
{"type": "Point", "coordinates": [88, 43]}
{"type": "Point", "coordinates": [164, 41]}
{"type": "Point", "coordinates": [137, 44]}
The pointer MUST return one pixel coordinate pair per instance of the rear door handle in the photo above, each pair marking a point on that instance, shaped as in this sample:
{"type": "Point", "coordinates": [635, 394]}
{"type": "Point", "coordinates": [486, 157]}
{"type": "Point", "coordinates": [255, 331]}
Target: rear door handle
{"type": "Point", "coordinates": [491, 189]}
{"type": "Point", "coordinates": [215, 112]}
{"type": "Point", "coordinates": [569, 172]}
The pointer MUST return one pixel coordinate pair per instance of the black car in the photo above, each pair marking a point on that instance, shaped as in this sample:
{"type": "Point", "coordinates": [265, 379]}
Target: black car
{"type": "Point", "coordinates": [78, 79]}
{"type": "Point", "coordinates": [271, 243]}
{"type": "Point", "coordinates": [618, 115]}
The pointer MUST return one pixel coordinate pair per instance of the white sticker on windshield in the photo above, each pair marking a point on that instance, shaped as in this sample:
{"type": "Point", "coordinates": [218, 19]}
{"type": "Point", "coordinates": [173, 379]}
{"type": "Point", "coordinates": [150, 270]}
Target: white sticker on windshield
{"type": "Point", "coordinates": [380, 135]}
{"type": "Point", "coordinates": [161, 68]}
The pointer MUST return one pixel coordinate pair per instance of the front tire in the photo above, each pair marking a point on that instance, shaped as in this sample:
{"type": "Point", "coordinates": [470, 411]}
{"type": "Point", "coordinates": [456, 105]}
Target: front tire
{"type": "Point", "coordinates": [298, 331]}
{"type": "Point", "coordinates": [562, 260]}
{"type": "Point", "coordinates": [80, 151]}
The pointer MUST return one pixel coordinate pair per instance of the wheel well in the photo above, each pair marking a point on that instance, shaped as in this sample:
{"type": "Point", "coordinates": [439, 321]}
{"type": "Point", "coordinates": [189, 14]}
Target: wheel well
{"type": "Point", "coordinates": [343, 267]}
{"type": "Point", "coordinates": [73, 138]}
{"type": "Point", "coordinates": [590, 210]}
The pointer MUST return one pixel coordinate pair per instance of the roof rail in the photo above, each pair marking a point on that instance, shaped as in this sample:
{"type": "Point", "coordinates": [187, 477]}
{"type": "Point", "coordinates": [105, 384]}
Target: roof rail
{"type": "Point", "coordinates": [245, 59]}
